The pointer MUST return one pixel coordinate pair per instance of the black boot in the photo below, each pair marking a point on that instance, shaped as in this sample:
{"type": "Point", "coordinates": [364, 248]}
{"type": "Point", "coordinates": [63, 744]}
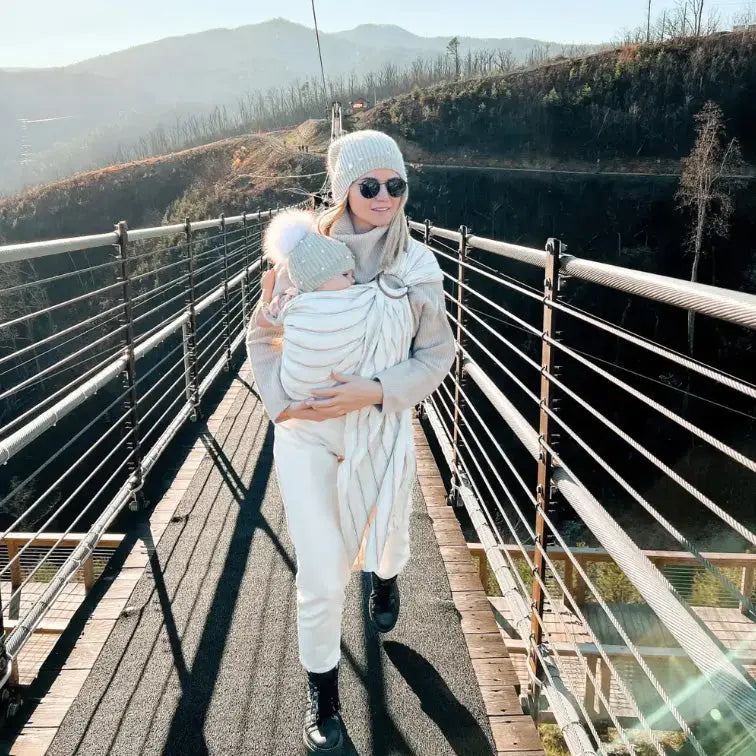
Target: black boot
{"type": "Point", "coordinates": [322, 727]}
{"type": "Point", "coordinates": [384, 603]}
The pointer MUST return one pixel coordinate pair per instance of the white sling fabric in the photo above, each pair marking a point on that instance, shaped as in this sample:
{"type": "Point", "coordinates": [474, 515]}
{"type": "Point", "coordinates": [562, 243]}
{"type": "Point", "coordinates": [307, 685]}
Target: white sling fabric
{"type": "Point", "coordinates": [362, 330]}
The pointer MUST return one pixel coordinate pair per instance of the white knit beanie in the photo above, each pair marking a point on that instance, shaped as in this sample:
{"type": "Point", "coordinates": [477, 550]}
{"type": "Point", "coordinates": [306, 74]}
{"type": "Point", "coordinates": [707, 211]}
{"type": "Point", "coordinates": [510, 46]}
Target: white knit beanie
{"type": "Point", "coordinates": [310, 257]}
{"type": "Point", "coordinates": [354, 154]}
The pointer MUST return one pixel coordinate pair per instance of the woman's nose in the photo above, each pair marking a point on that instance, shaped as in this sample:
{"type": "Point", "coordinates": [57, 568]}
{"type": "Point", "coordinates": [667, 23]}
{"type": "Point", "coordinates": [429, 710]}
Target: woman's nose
{"type": "Point", "coordinates": [383, 192]}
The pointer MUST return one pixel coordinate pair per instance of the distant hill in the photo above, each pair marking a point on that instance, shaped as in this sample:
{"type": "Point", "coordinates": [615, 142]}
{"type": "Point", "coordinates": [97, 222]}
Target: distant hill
{"type": "Point", "coordinates": [126, 93]}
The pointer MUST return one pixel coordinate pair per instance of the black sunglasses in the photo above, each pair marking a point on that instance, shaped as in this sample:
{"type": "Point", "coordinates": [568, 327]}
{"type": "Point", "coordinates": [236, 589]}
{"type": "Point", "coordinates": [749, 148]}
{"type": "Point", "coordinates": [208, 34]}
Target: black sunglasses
{"type": "Point", "coordinates": [370, 187]}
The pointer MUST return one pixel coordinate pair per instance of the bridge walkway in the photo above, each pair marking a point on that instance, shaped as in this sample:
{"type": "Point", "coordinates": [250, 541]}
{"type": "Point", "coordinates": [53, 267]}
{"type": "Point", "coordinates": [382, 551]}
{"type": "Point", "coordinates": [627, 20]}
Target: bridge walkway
{"type": "Point", "coordinates": [203, 656]}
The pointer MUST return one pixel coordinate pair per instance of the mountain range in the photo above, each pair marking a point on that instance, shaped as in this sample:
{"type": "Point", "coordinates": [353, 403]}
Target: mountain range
{"type": "Point", "coordinates": [130, 91]}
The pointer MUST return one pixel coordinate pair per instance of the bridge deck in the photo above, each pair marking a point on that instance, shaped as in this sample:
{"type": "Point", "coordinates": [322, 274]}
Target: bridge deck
{"type": "Point", "coordinates": [204, 657]}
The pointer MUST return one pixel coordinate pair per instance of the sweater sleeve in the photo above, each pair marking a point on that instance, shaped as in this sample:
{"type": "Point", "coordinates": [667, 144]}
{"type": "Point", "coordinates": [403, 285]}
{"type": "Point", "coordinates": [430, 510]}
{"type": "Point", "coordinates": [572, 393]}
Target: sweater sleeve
{"type": "Point", "coordinates": [431, 355]}
{"type": "Point", "coordinates": [264, 354]}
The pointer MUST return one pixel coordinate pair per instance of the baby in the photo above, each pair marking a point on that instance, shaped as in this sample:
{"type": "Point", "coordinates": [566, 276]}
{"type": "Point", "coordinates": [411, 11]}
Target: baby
{"type": "Point", "coordinates": [312, 262]}
{"type": "Point", "coordinates": [330, 326]}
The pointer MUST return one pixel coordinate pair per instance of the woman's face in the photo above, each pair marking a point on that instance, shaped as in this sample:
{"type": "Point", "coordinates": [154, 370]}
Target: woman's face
{"type": "Point", "coordinates": [378, 211]}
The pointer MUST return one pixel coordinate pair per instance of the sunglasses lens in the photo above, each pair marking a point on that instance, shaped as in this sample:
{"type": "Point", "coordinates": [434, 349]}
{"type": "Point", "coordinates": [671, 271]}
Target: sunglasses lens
{"type": "Point", "coordinates": [396, 187]}
{"type": "Point", "coordinates": [369, 188]}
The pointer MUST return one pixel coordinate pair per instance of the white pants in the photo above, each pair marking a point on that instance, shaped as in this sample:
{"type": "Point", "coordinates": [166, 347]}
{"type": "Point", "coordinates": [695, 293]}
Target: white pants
{"type": "Point", "coordinates": [306, 455]}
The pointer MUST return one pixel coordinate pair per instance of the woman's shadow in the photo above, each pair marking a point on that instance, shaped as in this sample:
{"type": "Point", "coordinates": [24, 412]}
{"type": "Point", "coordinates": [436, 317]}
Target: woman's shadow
{"type": "Point", "coordinates": [461, 730]}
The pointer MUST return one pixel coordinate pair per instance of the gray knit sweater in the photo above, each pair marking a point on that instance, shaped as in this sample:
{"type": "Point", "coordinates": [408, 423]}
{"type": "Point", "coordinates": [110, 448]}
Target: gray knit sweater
{"type": "Point", "coordinates": [405, 384]}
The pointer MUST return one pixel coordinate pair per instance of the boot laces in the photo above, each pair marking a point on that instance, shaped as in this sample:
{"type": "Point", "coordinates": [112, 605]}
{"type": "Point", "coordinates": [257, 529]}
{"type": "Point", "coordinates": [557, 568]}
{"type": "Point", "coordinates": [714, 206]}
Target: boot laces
{"type": "Point", "coordinates": [324, 701]}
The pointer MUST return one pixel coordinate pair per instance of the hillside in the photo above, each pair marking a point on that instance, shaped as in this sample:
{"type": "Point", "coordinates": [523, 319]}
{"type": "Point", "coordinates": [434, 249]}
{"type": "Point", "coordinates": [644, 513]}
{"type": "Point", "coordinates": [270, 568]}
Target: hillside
{"type": "Point", "coordinates": [223, 176]}
{"type": "Point", "coordinates": [119, 97]}
{"type": "Point", "coordinates": [631, 104]}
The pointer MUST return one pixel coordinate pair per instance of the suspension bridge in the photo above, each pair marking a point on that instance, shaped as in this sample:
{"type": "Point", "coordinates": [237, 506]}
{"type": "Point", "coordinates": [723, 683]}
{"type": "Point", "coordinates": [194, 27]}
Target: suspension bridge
{"type": "Point", "coordinates": [147, 577]}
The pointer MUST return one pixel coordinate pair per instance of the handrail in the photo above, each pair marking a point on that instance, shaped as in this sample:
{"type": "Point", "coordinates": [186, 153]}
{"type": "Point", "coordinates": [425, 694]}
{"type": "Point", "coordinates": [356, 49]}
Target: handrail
{"type": "Point", "coordinates": [164, 316]}
{"type": "Point", "coordinates": [725, 304]}
{"type": "Point", "coordinates": [519, 550]}
{"type": "Point", "coordinates": [33, 250]}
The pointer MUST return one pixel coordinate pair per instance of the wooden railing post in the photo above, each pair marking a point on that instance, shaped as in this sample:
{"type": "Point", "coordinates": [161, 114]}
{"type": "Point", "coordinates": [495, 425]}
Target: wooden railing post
{"type": "Point", "coordinates": [136, 481]}
{"type": "Point", "coordinates": [88, 570]}
{"type": "Point", "coordinates": [16, 579]}
{"type": "Point", "coordinates": [464, 233]}
{"type": "Point", "coordinates": [746, 587]}
{"type": "Point", "coordinates": [189, 331]}
{"type": "Point", "coordinates": [544, 488]}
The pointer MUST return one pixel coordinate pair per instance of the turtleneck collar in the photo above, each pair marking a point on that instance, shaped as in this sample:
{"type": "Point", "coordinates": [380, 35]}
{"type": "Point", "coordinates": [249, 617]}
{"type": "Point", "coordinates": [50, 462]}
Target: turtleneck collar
{"type": "Point", "coordinates": [367, 247]}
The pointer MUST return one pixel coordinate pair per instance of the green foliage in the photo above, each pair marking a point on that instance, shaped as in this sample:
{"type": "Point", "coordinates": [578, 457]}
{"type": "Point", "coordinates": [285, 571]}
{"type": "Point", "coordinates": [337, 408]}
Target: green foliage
{"type": "Point", "coordinates": [552, 98]}
{"type": "Point", "coordinates": [635, 102]}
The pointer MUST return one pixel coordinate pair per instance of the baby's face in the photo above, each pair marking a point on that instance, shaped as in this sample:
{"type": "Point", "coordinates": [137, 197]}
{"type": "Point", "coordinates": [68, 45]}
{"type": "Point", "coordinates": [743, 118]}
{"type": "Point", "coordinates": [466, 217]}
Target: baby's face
{"type": "Point", "coordinates": [337, 283]}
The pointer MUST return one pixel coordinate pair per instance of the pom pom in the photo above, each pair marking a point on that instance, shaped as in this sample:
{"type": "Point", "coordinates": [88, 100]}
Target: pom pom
{"type": "Point", "coordinates": [284, 232]}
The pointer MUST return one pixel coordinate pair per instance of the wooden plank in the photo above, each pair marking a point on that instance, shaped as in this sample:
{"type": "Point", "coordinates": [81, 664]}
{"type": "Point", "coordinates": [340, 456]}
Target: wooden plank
{"type": "Point", "coordinates": [455, 554]}
{"type": "Point", "coordinates": [450, 538]}
{"type": "Point", "coordinates": [108, 540]}
{"type": "Point", "coordinates": [49, 712]}
{"type": "Point", "coordinates": [500, 700]}
{"type": "Point", "coordinates": [468, 582]}
{"type": "Point", "coordinates": [471, 601]}
{"type": "Point", "coordinates": [441, 512]}
{"type": "Point", "coordinates": [62, 683]}
{"type": "Point", "coordinates": [46, 627]}
{"type": "Point", "coordinates": [515, 734]}
{"type": "Point", "coordinates": [461, 568]}
{"type": "Point", "coordinates": [496, 672]}
{"type": "Point", "coordinates": [32, 741]}
{"type": "Point", "coordinates": [479, 622]}
{"type": "Point", "coordinates": [445, 524]}
{"type": "Point", "coordinates": [485, 646]}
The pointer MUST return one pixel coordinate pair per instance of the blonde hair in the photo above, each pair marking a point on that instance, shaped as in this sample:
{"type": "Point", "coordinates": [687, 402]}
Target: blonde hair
{"type": "Point", "coordinates": [397, 237]}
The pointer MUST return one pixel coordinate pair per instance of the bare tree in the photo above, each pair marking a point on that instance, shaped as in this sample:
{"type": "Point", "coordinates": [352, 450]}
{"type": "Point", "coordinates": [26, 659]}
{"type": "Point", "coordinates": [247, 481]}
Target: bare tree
{"type": "Point", "coordinates": [452, 50]}
{"type": "Point", "coordinates": [706, 187]}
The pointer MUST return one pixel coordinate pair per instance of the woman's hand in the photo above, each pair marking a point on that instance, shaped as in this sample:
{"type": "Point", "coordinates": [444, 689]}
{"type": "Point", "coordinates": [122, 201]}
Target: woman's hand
{"type": "Point", "coordinates": [353, 393]}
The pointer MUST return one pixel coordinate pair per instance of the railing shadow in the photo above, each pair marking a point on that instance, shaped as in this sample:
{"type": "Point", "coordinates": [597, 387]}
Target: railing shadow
{"type": "Point", "coordinates": [460, 728]}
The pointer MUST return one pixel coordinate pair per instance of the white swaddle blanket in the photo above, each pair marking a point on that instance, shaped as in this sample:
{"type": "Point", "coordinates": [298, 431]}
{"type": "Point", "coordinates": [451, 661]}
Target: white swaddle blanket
{"type": "Point", "coordinates": [362, 330]}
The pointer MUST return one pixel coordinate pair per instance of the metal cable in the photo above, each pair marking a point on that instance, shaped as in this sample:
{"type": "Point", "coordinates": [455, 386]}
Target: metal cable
{"type": "Point", "coordinates": [615, 622]}
{"type": "Point", "coordinates": [589, 583]}
{"type": "Point", "coordinates": [668, 471]}
{"type": "Point", "coordinates": [62, 507]}
{"type": "Point", "coordinates": [538, 618]}
{"type": "Point", "coordinates": [499, 280]}
{"type": "Point", "coordinates": [37, 354]}
{"type": "Point", "coordinates": [565, 591]}
{"type": "Point", "coordinates": [56, 367]}
{"type": "Point", "coordinates": [84, 510]}
{"type": "Point", "coordinates": [146, 375]}
{"type": "Point", "coordinates": [716, 375]}
{"type": "Point", "coordinates": [732, 306]}
{"type": "Point", "coordinates": [703, 650]}
{"type": "Point", "coordinates": [69, 469]}
{"type": "Point", "coordinates": [497, 307]}
{"type": "Point", "coordinates": [59, 277]}
{"type": "Point", "coordinates": [53, 308]}
{"type": "Point", "coordinates": [682, 422]}
{"type": "Point", "coordinates": [665, 385]}
{"type": "Point", "coordinates": [157, 423]}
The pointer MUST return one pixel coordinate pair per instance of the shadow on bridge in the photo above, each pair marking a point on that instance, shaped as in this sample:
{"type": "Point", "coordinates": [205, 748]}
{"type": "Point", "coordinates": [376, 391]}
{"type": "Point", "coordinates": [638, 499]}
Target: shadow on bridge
{"type": "Point", "coordinates": [204, 659]}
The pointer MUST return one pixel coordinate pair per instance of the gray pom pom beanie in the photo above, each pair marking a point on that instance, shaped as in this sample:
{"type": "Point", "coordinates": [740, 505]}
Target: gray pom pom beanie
{"type": "Point", "coordinates": [354, 154]}
{"type": "Point", "coordinates": [310, 257]}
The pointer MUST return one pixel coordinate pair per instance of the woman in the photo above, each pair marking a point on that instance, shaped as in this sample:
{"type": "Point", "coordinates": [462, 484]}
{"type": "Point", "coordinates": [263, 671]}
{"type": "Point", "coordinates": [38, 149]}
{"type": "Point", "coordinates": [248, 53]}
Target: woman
{"type": "Point", "coordinates": [368, 180]}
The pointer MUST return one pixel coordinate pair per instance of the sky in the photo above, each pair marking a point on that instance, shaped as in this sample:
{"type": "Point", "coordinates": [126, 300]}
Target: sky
{"type": "Point", "coordinates": [42, 33]}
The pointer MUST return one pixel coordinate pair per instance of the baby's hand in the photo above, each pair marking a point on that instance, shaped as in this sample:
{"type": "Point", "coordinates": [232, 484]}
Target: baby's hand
{"type": "Point", "coordinates": [267, 283]}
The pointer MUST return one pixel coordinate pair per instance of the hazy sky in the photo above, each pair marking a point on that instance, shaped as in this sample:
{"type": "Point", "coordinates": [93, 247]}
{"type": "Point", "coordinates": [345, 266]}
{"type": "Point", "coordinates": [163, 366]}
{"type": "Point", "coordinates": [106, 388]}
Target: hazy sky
{"type": "Point", "coordinates": [57, 32]}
